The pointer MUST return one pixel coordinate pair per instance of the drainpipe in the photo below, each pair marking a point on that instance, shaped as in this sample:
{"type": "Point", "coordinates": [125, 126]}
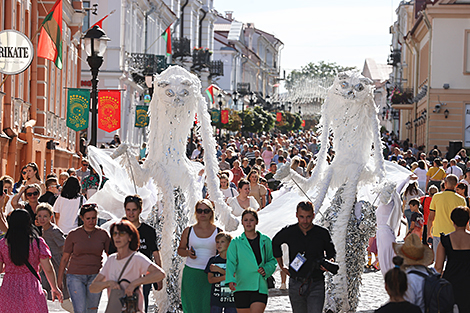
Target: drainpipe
{"type": "Point", "coordinates": [416, 82]}
{"type": "Point", "coordinates": [428, 96]}
{"type": "Point", "coordinates": [204, 13]}
{"type": "Point", "coordinates": [182, 19]}
{"type": "Point", "coordinates": [146, 26]}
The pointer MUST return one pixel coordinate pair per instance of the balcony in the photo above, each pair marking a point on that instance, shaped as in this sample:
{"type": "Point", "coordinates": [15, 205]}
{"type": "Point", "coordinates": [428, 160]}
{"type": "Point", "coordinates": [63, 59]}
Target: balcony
{"type": "Point", "coordinates": [394, 58]}
{"type": "Point", "coordinates": [181, 47]}
{"type": "Point", "coordinates": [146, 64]}
{"type": "Point", "coordinates": [216, 68]}
{"type": "Point", "coordinates": [201, 58]}
{"type": "Point", "coordinates": [402, 99]}
{"type": "Point", "coordinates": [243, 88]}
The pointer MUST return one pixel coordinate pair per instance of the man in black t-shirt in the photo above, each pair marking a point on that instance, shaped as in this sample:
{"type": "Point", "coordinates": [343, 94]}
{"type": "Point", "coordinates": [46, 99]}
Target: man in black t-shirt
{"type": "Point", "coordinates": [308, 244]}
{"type": "Point", "coordinates": [52, 191]}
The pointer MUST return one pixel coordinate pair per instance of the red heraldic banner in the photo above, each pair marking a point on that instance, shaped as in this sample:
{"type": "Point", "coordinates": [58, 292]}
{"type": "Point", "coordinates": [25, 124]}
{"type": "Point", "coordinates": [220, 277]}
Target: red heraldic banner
{"type": "Point", "coordinates": [109, 110]}
{"type": "Point", "coordinates": [224, 116]}
{"type": "Point", "coordinates": [279, 117]}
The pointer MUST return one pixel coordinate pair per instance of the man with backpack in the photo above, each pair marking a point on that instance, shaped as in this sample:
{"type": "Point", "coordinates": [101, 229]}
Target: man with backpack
{"type": "Point", "coordinates": [426, 288]}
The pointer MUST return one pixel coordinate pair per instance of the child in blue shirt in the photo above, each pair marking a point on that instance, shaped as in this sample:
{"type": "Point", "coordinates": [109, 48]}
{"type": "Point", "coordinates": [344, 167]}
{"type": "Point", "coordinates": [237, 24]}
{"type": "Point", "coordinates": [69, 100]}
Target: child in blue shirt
{"type": "Point", "coordinates": [222, 299]}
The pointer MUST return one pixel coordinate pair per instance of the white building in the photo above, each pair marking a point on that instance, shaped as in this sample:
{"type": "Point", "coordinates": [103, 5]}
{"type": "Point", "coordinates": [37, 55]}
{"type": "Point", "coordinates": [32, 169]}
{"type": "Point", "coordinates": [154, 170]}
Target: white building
{"type": "Point", "coordinates": [135, 27]}
{"type": "Point", "coordinates": [249, 56]}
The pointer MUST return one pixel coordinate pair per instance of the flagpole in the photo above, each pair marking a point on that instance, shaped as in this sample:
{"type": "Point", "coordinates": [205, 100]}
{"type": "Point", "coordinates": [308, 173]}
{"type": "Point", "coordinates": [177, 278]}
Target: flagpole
{"type": "Point", "coordinates": [3, 81]}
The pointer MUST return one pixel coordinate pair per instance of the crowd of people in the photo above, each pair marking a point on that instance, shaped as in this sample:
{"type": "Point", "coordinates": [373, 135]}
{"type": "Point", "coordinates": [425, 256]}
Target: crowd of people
{"type": "Point", "coordinates": [221, 273]}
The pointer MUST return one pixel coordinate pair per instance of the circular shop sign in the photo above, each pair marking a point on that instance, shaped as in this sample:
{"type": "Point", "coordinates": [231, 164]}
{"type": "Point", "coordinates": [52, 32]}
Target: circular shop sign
{"type": "Point", "coordinates": [16, 52]}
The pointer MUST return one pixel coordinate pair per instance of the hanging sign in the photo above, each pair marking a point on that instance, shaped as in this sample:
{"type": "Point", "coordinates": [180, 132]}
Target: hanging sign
{"type": "Point", "coordinates": [224, 116]}
{"type": "Point", "coordinates": [109, 110]}
{"type": "Point", "coordinates": [141, 116]}
{"type": "Point", "coordinates": [78, 108]}
{"type": "Point", "coordinates": [303, 123]}
{"type": "Point", "coordinates": [16, 52]}
{"type": "Point", "coordinates": [279, 117]}
{"type": "Point", "coordinates": [215, 115]}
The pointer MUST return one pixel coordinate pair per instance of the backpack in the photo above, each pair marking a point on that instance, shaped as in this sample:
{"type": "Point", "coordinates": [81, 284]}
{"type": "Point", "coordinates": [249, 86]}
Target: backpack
{"type": "Point", "coordinates": [438, 294]}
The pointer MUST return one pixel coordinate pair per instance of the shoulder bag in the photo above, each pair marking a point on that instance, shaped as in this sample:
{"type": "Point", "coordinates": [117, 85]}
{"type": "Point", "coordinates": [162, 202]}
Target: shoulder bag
{"type": "Point", "coordinates": [114, 300]}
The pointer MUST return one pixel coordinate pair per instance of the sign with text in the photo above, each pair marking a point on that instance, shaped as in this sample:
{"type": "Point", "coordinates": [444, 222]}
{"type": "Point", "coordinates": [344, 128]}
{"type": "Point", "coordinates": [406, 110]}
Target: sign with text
{"type": "Point", "coordinates": [16, 52]}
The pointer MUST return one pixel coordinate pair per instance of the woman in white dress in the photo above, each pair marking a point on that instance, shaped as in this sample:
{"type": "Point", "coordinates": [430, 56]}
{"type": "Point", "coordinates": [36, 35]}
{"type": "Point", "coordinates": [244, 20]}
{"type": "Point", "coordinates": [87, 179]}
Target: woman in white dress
{"type": "Point", "coordinates": [243, 201]}
{"type": "Point", "coordinates": [421, 173]}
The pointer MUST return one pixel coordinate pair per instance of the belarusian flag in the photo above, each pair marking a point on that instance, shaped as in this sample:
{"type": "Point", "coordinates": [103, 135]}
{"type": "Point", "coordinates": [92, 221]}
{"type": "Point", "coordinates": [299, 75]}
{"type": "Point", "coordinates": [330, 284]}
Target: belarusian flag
{"type": "Point", "coordinates": [167, 36]}
{"type": "Point", "coordinates": [50, 38]}
{"type": "Point", "coordinates": [210, 92]}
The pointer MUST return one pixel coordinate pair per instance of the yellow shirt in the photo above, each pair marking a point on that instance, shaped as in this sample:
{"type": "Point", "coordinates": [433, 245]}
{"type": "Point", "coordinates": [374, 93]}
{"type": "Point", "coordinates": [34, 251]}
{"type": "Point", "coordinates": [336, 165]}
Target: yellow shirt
{"type": "Point", "coordinates": [441, 174]}
{"type": "Point", "coordinates": [443, 203]}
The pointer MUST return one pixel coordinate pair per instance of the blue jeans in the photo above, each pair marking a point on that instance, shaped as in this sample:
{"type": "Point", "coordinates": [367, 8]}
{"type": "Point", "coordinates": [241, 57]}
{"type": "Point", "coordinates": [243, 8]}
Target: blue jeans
{"type": "Point", "coordinates": [220, 309]}
{"type": "Point", "coordinates": [82, 299]}
{"type": "Point", "coordinates": [311, 300]}
{"type": "Point", "coordinates": [408, 217]}
{"type": "Point", "coordinates": [146, 292]}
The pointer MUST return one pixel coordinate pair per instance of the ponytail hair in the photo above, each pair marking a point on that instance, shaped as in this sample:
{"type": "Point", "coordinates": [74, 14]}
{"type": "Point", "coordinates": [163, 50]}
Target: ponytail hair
{"type": "Point", "coordinates": [395, 279]}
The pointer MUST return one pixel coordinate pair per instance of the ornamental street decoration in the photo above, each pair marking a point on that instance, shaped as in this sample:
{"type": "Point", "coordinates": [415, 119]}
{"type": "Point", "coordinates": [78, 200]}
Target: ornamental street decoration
{"type": "Point", "coordinates": [78, 108]}
{"type": "Point", "coordinates": [16, 52]}
{"type": "Point", "coordinates": [109, 110]}
{"type": "Point", "coordinates": [141, 116]}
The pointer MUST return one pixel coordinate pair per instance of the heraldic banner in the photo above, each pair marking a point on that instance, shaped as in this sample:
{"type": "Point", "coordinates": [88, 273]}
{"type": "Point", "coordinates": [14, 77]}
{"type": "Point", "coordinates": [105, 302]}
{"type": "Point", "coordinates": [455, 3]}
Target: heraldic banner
{"type": "Point", "coordinates": [78, 108]}
{"type": "Point", "coordinates": [109, 110]}
{"type": "Point", "coordinates": [141, 116]}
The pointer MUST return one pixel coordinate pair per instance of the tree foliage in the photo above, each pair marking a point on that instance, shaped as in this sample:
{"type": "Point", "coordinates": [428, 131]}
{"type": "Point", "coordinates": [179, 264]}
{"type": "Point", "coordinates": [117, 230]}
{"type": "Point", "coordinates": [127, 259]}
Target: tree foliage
{"type": "Point", "coordinates": [289, 122]}
{"type": "Point", "coordinates": [234, 121]}
{"type": "Point", "coordinates": [321, 69]}
{"type": "Point", "coordinates": [257, 120]}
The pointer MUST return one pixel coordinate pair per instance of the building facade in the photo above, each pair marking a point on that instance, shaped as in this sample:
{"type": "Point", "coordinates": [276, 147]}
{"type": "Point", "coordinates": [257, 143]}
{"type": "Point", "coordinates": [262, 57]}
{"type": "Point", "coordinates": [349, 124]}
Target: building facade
{"type": "Point", "coordinates": [431, 61]}
{"type": "Point", "coordinates": [33, 103]}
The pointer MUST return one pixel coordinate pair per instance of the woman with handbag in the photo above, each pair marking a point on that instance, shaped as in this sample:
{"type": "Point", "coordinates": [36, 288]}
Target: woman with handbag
{"type": "Point", "coordinates": [126, 269]}
{"type": "Point", "coordinates": [21, 251]}
{"type": "Point", "coordinates": [83, 257]}
{"type": "Point", "coordinates": [250, 262]}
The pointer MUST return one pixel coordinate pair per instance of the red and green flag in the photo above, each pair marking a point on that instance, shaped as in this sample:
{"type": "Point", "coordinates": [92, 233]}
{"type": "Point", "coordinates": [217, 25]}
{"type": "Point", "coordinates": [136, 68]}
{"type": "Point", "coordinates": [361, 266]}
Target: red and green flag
{"type": "Point", "coordinates": [50, 38]}
{"type": "Point", "coordinates": [210, 92]}
{"type": "Point", "coordinates": [167, 36]}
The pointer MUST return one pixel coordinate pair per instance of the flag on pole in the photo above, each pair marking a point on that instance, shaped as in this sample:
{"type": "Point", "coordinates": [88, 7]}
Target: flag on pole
{"type": "Point", "coordinates": [50, 38]}
{"type": "Point", "coordinates": [100, 22]}
{"type": "Point", "coordinates": [167, 36]}
{"type": "Point", "coordinates": [210, 92]}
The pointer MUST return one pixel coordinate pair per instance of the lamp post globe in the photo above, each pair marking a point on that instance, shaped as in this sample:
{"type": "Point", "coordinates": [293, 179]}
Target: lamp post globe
{"type": "Point", "coordinates": [96, 42]}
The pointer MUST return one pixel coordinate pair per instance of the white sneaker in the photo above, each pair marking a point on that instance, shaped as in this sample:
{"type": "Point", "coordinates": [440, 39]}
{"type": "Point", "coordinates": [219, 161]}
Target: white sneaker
{"type": "Point", "coordinates": [283, 286]}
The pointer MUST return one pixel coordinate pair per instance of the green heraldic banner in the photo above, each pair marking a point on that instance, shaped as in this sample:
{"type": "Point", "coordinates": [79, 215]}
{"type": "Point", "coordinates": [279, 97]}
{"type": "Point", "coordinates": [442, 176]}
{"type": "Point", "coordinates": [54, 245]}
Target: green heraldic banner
{"type": "Point", "coordinates": [141, 116]}
{"type": "Point", "coordinates": [78, 108]}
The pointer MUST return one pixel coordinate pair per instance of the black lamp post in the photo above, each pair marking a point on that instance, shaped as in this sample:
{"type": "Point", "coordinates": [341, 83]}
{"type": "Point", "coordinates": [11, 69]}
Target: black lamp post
{"type": "Point", "coordinates": [219, 97]}
{"type": "Point", "coordinates": [235, 98]}
{"type": "Point", "coordinates": [252, 99]}
{"type": "Point", "coordinates": [289, 106]}
{"type": "Point", "coordinates": [95, 47]}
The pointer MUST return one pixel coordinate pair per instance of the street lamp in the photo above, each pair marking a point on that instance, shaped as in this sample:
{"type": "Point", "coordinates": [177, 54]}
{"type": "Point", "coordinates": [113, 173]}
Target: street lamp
{"type": "Point", "coordinates": [252, 99]}
{"type": "Point", "coordinates": [95, 47]}
{"type": "Point", "coordinates": [219, 97]}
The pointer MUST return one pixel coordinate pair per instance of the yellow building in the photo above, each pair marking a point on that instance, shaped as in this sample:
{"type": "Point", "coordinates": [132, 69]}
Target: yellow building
{"type": "Point", "coordinates": [431, 59]}
{"type": "Point", "coordinates": [33, 103]}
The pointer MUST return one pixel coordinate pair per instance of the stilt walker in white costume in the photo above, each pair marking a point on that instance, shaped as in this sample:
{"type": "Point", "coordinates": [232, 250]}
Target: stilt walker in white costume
{"type": "Point", "coordinates": [349, 114]}
{"type": "Point", "coordinates": [176, 100]}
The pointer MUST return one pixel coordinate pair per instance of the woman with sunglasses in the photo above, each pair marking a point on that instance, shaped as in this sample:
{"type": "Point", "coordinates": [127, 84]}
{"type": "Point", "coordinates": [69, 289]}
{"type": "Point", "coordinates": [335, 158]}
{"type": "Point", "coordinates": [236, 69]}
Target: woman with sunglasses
{"type": "Point", "coordinates": [31, 193]}
{"type": "Point", "coordinates": [83, 257]}
{"type": "Point", "coordinates": [68, 204]}
{"type": "Point", "coordinates": [125, 237]}
{"type": "Point", "coordinates": [250, 262]}
{"type": "Point", "coordinates": [20, 182]}
{"type": "Point", "coordinates": [197, 245]}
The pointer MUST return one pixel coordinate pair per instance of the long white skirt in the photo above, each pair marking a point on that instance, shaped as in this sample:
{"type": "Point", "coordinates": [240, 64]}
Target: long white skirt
{"type": "Point", "coordinates": [385, 239]}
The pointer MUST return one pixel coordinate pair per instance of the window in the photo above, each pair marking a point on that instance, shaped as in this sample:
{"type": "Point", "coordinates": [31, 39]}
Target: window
{"type": "Point", "coordinates": [86, 19]}
{"type": "Point", "coordinates": [466, 61]}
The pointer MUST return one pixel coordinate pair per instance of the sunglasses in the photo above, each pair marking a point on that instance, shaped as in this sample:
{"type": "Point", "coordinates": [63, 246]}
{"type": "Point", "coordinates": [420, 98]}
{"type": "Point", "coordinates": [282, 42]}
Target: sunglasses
{"type": "Point", "coordinates": [200, 211]}
{"type": "Point", "coordinates": [56, 186]}
{"type": "Point", "coordinates": [35, 193]}
{"type": "Point", "coordinates": [120, 233]}
{"type": "Point", "coordinates": [89, 206]}
{"type": "Point", "coordinates": [85, 164]}
{"type": "Point", "coordinates": [24, 172]}
{"type": "Point", "coordinates": [132, 198]}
